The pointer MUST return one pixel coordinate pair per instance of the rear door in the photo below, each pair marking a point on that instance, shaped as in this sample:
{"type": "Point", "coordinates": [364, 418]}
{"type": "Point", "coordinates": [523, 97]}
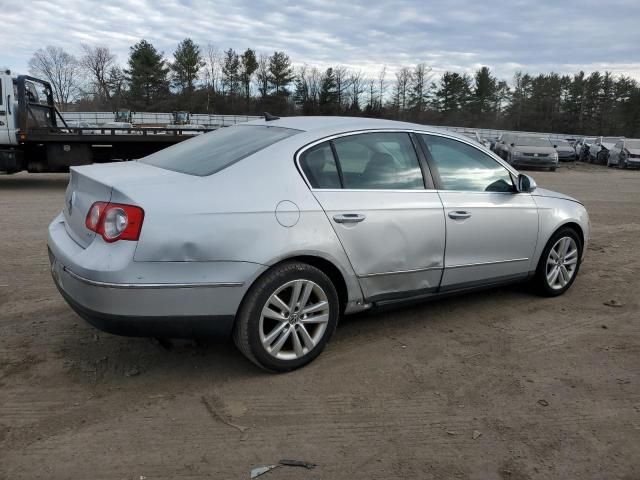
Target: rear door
{"type": "Point", "coordinates": [387, 216]}
{"type": "Point", "coordinates": [492, 231]}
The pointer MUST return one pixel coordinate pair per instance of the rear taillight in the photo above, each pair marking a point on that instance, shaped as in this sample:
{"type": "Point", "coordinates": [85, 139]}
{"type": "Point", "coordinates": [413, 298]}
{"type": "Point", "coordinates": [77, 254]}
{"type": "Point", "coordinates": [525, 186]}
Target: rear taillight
{"type": "Point", "coordinates": [115, 221]}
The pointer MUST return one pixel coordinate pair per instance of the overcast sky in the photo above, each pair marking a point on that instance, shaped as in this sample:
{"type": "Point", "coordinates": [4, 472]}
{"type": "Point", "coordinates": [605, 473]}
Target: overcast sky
{"type": "Point", "coordinates": [534, 35]}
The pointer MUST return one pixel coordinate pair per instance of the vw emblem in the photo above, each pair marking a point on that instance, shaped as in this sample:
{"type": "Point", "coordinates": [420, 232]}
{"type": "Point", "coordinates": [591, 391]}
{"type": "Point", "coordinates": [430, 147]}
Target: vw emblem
{"type": "Point", "coordinates": [72, 200]}
{"type": "Point", "coordinates": [535, 154]}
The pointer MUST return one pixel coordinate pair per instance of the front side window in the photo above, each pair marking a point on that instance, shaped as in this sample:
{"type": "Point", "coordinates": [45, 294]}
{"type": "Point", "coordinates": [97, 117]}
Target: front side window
{"type": "Point", "coordinates": [379, 160]}
{"type": "Point", "coordinates": [209, 153]}
{"type": "Point", "coordinates": [463, 167]}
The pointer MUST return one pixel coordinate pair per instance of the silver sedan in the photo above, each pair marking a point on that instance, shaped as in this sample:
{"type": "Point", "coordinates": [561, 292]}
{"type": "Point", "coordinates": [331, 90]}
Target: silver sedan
{"type": "Point", "coordinates": [271, 230]}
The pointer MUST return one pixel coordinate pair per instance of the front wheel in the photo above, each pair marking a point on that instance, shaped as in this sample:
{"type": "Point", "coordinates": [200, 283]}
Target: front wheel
{"type": "Point", "coordinates": [559, 263]}
{"type": "Point", "coordinates": [287, 317]}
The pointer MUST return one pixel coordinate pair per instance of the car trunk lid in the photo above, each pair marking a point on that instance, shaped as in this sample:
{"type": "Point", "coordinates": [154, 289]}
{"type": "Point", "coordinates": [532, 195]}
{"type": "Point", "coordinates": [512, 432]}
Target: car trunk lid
{"type": "Point", "coordinates": [96, 183]}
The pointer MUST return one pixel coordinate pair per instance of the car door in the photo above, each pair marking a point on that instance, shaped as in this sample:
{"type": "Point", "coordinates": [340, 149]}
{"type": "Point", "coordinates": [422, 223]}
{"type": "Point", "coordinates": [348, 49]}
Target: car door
{"type": "Point", "coordinates": [614, 154]}
{"type": "Point", "coordinates": [491, 231]}
{"type": "Point", "coordinates": [385, 212]}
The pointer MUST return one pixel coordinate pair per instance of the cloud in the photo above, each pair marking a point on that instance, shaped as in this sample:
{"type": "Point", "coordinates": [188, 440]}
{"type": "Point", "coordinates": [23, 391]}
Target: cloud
{"type": "Point", "coordinates": [534, 36]}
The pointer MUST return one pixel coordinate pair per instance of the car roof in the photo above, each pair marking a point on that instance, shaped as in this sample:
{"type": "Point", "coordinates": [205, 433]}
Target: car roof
{"type": "Point", "coordinates": [328, 125]}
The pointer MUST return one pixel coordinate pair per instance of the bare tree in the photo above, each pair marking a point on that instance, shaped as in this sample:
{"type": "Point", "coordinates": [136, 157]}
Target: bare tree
{"type": "Point", "coordinates": [356, 89]}
{"type": "Point", "coordinates": [371, 104]}
{"type": "Point", "coordinates": [213, 67]}
{"type": "Point", "coordinates": [262, 75]}
{"type": "Point", "coordinates": [61, 69]}
{"type": "Point", "coordinates": [382, 86]}
{"type": "Point", "coordinates": [401, 91]}
{"type": "Point", "coordinates": [419, 87]}
{"type": "Point", "coordinates": [342, 85]}
{"type": "Point", "coordinates": [97, 63]}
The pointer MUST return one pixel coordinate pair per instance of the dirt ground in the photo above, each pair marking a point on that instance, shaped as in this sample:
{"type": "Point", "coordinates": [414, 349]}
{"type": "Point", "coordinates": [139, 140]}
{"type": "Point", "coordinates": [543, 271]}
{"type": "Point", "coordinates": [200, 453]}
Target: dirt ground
{"type": "Point", "coordinates": [495, 385]}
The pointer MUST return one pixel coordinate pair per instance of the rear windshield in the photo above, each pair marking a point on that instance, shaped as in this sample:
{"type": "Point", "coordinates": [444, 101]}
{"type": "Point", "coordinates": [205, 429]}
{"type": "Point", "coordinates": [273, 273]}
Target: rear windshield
{"type": "Point", "coordinates": [209, 153]}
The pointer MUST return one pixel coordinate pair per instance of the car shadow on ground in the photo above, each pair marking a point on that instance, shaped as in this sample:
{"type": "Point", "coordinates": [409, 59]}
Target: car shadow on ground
{"type": "Point", "coordinates": [97, 358]}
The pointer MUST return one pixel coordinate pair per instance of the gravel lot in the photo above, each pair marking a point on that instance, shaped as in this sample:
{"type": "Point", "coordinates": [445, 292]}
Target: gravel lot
{"type": "Point", "coordinates": [495, 385]}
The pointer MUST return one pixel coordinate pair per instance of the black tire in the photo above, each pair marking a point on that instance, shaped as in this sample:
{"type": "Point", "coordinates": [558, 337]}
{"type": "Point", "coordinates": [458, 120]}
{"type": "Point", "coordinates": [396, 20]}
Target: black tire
{"type": "Point", "coordinates": [540, 282]}
{"type": "Point", "coordinates": [552, 169]}
{"type": "Point", "coordinates": [601, 158]}
{"type": "Point", "coordinates": [246, 332]}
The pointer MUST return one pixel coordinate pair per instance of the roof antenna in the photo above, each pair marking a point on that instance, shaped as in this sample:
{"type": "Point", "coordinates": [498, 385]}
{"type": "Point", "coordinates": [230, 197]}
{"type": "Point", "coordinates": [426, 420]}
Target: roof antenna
{"type": "Point", "coordinates": [268, 117]}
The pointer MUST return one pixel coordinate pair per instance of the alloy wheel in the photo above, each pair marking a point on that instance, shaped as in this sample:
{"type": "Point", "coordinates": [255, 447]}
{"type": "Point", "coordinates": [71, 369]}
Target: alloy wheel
{"type": "Point", "coordinates": [562, 263]}
{"type": "Point", "coordinates": [294, 319]}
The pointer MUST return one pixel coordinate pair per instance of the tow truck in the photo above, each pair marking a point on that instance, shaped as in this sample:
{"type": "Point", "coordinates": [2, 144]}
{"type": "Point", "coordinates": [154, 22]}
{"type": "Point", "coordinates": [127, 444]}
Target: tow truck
{"type": "Point", "coordinates": [35, 137]}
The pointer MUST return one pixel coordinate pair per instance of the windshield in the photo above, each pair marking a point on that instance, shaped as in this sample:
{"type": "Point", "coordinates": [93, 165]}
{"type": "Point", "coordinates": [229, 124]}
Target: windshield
{"type": "Point", "coordinates": [533, 142]}
{"type": "Point", "coordinates": [632, 144]}
{"type": "Point", "coordinates": [562, 143]}
{"type": "Point", "coordinates": [211, 152]}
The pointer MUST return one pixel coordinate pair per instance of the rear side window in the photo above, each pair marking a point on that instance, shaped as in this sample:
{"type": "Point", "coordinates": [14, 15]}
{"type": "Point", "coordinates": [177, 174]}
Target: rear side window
{"type": "Point", "coordinates": [383, 160]}
{"type": "Point", "coordinates": [209, 153]}
{"type": "Point", "coordinates": [319, 166]}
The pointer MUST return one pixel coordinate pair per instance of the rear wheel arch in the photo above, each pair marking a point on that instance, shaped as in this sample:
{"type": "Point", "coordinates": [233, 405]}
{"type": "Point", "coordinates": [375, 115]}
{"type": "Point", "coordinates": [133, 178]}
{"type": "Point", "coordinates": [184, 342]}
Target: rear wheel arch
{"type": "Point", "coordinates": [329, 269]}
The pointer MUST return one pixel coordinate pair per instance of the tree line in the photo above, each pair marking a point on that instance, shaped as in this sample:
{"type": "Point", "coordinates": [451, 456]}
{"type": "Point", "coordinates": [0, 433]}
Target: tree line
{"type": "Point", "coordinates": [213, 80]}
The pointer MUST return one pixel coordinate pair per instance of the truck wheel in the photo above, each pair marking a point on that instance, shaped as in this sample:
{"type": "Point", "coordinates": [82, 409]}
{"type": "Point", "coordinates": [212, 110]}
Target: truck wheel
{"type": "Point", "coordinates": [287, 317]}
{"type": "Point", "coordinates": [559, 263]}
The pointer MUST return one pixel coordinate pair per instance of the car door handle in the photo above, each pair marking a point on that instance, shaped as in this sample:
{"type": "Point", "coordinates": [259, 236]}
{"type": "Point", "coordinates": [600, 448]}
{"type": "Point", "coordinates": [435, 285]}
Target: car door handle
{"type": "Point", "coordinates": [349, 218]}
{"type": "Point", "coordinates": [459, 215]}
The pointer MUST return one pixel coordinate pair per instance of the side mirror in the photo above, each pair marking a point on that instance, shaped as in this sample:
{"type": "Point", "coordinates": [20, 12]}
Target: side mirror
{"type": "Point", "coordinates": [513, 144]}
{"type": "Point", "coordinates": [555, 146]}
{"type": "Point", "coordinates": [526, 184]}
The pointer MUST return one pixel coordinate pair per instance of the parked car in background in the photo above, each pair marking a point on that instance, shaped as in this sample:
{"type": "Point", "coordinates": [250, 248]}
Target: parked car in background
{"type": "Point", "coordinates": [532, 151]}
{"type": "Point", "coordinates": [502, 145]}
{"type": "Point", "coordinates": [625, 153]}
{"type": "Point", "coordinates": [583, 146]}
{"type": "Point", "coordinates": [599, 151]}
{"type": "Point", "coordinates": [475, 136]}
{"type": "Point", "coordinates": [271, 230]}
{"type": "Point", "coordinates": [566, 153]}
{"type": "Point", "coordinates": [491, 142]}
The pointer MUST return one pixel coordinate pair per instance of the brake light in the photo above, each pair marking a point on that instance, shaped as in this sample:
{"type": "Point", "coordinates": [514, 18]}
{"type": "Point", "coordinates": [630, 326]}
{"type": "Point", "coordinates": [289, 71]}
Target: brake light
{"type": "Point", "coordinates": [115, 221]}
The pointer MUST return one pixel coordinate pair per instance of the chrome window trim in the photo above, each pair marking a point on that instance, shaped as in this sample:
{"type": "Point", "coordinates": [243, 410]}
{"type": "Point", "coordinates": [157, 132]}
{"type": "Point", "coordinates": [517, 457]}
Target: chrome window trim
{"type": "Point", "coordinates": [96, 283]}
{"type": "Point", "coordinates": [469, 142]}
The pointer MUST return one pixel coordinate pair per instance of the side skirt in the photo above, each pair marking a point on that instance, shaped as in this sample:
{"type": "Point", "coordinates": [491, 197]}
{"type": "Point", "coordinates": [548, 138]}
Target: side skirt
{"type": "Point", "coordinates": [418, 296]}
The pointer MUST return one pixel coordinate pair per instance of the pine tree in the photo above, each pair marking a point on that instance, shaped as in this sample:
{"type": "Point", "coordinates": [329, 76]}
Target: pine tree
{"type": "Point", "coordinates": [231, 73]}
{"type": "Point", "coordinates": [280, 73]}
{"type": "Point", "coordinates": [328, 94]}
{"type": "Point", "coordinates": [485, 91]}
{"type": "Point", "coordinates": [186, 65]}
{"type": "Point", "coordinates": [147, 74]}
{"type": "Point", "coordinates": [248, 66]}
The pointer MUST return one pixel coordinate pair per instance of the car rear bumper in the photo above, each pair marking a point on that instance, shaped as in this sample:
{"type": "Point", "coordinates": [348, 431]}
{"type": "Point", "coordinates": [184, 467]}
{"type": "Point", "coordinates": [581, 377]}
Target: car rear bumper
{"type": "Point", "coordinates": [120, 302]}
